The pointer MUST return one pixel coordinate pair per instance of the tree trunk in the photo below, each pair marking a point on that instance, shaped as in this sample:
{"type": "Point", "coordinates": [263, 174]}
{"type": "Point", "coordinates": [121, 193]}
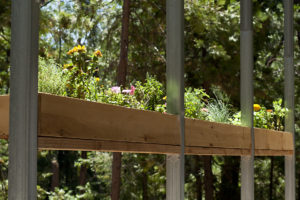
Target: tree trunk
{"type": "Point", "coordinates": [198, 177]}
{"type": "Point", "coordinates": [59, 33]}
{"type": "Point", "coordinates": [59, 51]}
{"type": "Point", "coordinates": [83, 170]}
{"type": "Point", "coordinates": [122, 68]}
{"type": "Point", "coordinates": [229, 188]}
{"type": "Point", "coordinates": [271, 179]}
{"type": "Point", "coordinates": [145, 186]}
{"type": "Point", "coordinates": [121, 81]}
{"type": "Point", "coordinates": [55, 174]}
{"type": "Point", "coordinates": [298, 174]}
{"type": "Point", "coordinates": [116, 176]}
{"type": "Point", "coordinates": [208, 178]}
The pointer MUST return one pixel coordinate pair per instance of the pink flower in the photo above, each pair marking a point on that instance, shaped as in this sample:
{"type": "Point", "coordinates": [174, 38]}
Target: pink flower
{"type": "Point", "coordinates": [204, 110]}
{"type": "Point", "coordinates": [116, 89]}
{"type": "Point", "coordinates": [132, 90]}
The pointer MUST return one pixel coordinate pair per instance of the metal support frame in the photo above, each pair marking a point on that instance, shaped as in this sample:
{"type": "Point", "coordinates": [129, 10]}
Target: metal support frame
{"type": "Point", "coordinates": [175, 93]}
{"type": "Point", "coordinates": [22, 173]}
{"type": "Point", "coordinates": [246, 92]}
{"type": "Point", "coordinates": [289, 94]}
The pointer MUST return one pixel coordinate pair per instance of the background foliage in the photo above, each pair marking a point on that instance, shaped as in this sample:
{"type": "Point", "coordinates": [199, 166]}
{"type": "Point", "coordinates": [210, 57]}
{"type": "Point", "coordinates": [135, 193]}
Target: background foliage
{"type": "Point", "coordinates": [211, 79]}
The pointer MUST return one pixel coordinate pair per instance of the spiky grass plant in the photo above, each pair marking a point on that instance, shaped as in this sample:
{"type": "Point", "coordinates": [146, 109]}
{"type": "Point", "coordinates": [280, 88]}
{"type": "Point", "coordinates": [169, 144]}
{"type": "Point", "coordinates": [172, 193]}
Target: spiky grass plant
{"type": "Point", "coordinates": [218, 111]}
{"type": "Point", "coordinates": [51, 79]}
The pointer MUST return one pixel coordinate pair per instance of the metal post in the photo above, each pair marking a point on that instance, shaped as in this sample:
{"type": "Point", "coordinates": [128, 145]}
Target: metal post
{"type": "Point", "coordinates": [246, 51]}
{"type": "Point", "coordinates": [22, 173]}
{"type": "Point", "coordinates": [289, 94]}
{"type": "Point", "coordinates": [175, 93]}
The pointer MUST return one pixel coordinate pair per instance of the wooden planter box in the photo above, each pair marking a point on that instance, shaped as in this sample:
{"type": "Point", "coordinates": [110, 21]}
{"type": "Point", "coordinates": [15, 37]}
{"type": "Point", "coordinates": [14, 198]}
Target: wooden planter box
{"type": "Point", "coordinates": [73, 124]}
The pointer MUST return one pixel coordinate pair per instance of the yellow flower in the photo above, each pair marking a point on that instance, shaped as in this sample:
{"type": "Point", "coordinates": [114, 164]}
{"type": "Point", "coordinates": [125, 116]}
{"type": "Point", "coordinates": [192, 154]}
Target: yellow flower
{"type": "Point", "coordinates": [97, 79]}
{"type": "Point", "coordinates": [270, 110]}
{"type": "Point", "coordinates": [67, 65]}
{"type": "Point", "coordinates": [98, 53]}
{"type": "Point", "coordinates": [256, 107]}
{"type": "Point", "coordinates": [165, 98]}
{"type": "Point", "coordinates": [70, 52]}
{"type": "Point", "coordinates": [81, 48]}
{"type": "Point", "coordinates": [78, 48]}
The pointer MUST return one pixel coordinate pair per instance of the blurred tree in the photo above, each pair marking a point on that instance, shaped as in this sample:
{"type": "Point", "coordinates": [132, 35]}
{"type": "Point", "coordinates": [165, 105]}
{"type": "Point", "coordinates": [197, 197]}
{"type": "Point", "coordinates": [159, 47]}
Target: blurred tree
{"type": "Point", "coordinates": [121, 81]}
{"type": "Point", "coordinates": [5, 22]}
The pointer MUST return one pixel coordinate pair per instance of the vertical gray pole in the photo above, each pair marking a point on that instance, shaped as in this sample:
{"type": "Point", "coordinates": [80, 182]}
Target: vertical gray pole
{"type": "Point", "coordinates": [289, 94]}
{"type": "Point", "coordinates": [246, 51]}
{"type": "Point", "coordinates": [175, 93]}
{"type": "Point", "coordinates": [22, 173]}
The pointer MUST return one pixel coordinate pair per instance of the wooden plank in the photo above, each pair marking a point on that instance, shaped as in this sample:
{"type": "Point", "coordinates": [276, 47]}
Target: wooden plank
{"type": "Point", "coordinates": [4, 116]}
{"type": "Point", "coordinates": [211, 134]}
{"type": "Point", "coordinates": [115, 123]}
{"type": "Point", "coordinates": [271, 139]}
{"type": "Point", "coordinates": [52, 143]}
{"type": "Point", "coordinates": [123, 128]}
{"type": "Point", "coordinates": [74, 118]}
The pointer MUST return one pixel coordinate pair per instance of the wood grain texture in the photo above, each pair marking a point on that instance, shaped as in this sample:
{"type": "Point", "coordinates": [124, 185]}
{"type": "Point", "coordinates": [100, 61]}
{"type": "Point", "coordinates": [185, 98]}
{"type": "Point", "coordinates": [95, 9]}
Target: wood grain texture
{"type": "Point", "coordinates": [54, 143]}
{"type": "Point", "coordinates": [73, 124]}
{"type": "Point", "coordinates": [74, 118]}
{"type": "Point", "coordinates": [4, 116]}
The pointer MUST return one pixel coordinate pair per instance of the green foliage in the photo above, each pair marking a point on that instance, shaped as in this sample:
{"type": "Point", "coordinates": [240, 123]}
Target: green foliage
{"type": "Point", "coordinates": [4, 80]}
{"type": "Point", "coordinates": [115, 95]}
{"type": "Point", "coordinates": [147, 95]}
{"type": "Point", "coordinates": [212, 45]}
{"type": "Point", "coordinates": [93, 23]}
{"type": "Point", "coordinates": [218, 111]}
{"type": "Point", "coordinates": [150, 93]}
{"type": "Point", "coordinates": [80, 73]}
{"type": "Point", "coordinates": [65, 194]}
{"type": "Point", "coordinates": [266, 118]}
{"type": "Point", "coordinates": [100, 165]}
{"type": "Point", "coordinates": [60, 194]}
{"type": "Point", "coordinates": [194, 102]}
{"type": "Point", "coordinates": [142, 172]}
{"type": "Point", "coordinates": [5, 34]}
{"type": "Point", "coordinates": [51, 79]}
{"type": "Point", "coordinates": [219, 108]}
{"type": "Point", "coordinates": [3, 169]}
{"type": "Point", "coordinates": [262, 176]}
